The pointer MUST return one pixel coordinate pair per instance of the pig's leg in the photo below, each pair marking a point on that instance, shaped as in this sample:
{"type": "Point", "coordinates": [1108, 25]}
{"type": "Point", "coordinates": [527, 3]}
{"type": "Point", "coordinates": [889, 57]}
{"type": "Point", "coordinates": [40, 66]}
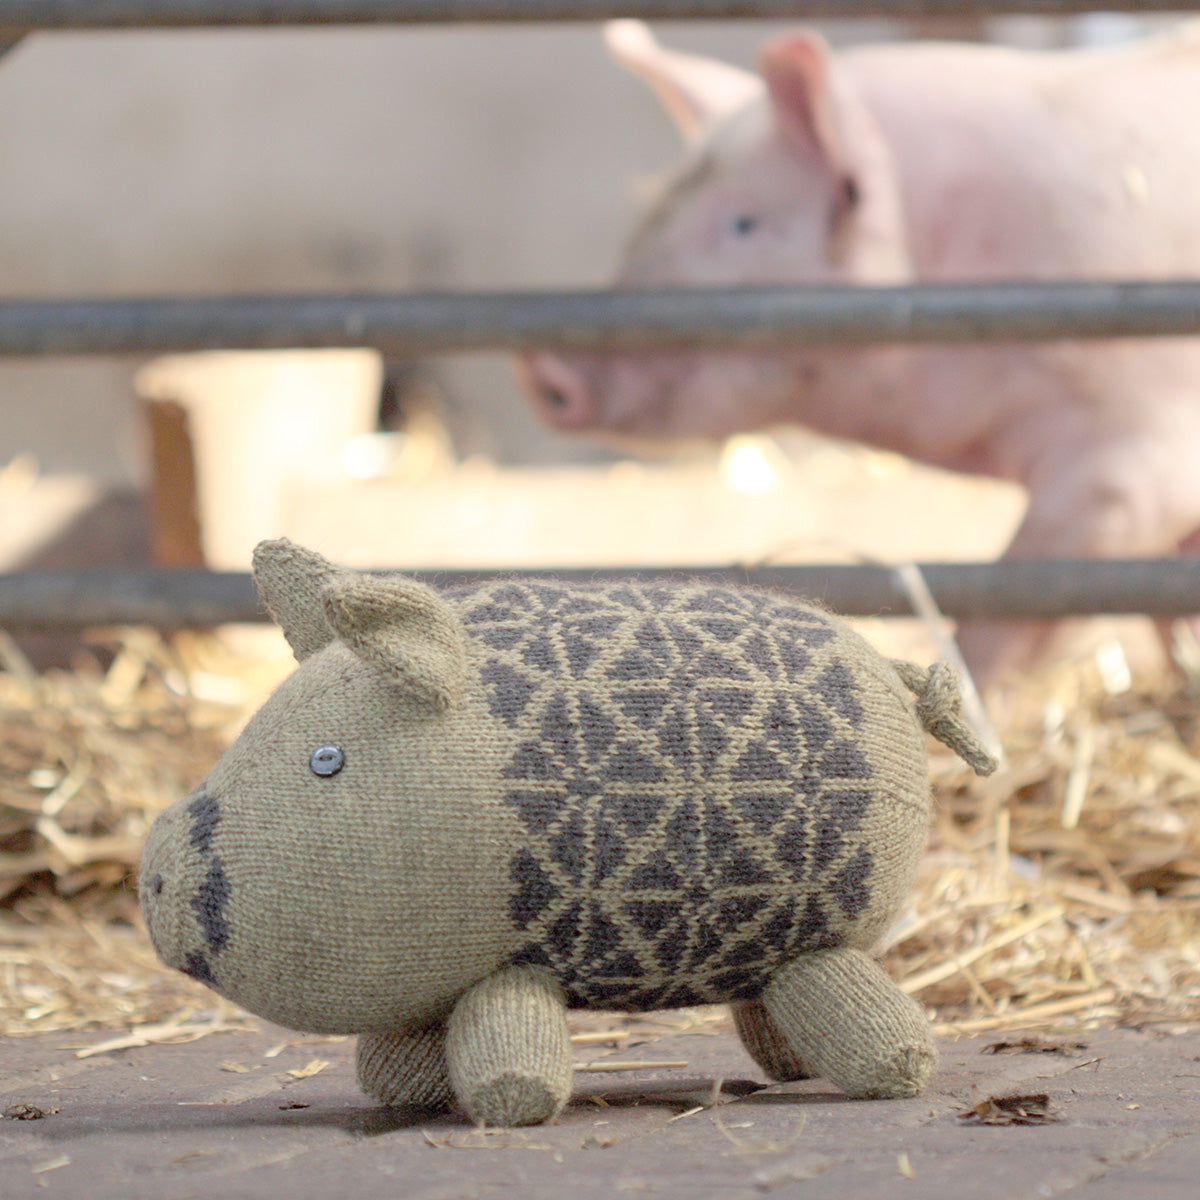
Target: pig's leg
{"type": "Point", "coordinates": [405, 1068]}
{"type": "Point", "coordinates": [765, 1044]}
{"type": "Point", "coordinates": [1101, 501]}
{"type": "Point", "coordinates": [844, 1016]}
{"type": "Point", "coordinates": [508, 1048]}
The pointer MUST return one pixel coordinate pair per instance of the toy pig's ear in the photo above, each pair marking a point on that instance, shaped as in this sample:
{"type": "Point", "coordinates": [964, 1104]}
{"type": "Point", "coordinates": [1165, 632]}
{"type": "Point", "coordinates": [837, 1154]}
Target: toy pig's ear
{"type": "Point", "coordinates": [291, 581]}
{"type": "Point", "coordinates": [406, 630]}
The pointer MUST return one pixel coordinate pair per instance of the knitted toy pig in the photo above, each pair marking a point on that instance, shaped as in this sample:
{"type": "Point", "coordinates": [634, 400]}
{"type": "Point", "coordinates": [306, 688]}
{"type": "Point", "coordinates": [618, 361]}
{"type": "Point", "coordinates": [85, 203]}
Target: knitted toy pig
{"type": "Point", "coordinates": [464, 813]}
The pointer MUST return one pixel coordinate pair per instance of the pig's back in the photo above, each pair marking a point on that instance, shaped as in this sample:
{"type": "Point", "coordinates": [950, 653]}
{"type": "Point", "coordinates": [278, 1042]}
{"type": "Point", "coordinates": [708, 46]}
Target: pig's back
{"type": "Point", "coordinates": [1028, 164]}
{"type": "Point", "coordinates": [710, 782]}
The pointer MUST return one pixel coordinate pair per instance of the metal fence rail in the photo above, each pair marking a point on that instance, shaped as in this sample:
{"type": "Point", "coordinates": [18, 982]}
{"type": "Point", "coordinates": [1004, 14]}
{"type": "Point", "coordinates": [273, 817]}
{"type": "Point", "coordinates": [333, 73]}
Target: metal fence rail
{"type": "Point", "coordinates": [743, 318]}
{"type": "Point", "coordinates": [40, 601]}
{"type": "Point", "coordinates": [18, 17]}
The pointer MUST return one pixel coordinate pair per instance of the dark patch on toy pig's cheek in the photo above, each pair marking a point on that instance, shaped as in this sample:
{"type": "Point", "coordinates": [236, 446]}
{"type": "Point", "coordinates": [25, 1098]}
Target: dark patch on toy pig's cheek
{"type": "Point", "coordinates": [205, 813]}
{"type": "Point", "coordinates": [209, 906]}
{"type": "Point", "coordinates": [197, 967]}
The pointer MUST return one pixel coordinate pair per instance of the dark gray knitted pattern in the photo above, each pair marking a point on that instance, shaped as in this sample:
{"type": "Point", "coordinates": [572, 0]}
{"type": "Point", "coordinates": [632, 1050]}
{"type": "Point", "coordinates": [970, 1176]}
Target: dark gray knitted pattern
{"type": "Point", "coordinates": [690, 780]}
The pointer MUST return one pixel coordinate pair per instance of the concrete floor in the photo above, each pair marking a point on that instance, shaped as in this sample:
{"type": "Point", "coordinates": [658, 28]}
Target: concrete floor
{"type": "Point", "coordinates": [252, 1114]}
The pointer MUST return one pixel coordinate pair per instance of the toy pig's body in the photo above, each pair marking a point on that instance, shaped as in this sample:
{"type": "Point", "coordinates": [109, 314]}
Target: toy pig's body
{"type": "Point", "coordinates": [526, 796]}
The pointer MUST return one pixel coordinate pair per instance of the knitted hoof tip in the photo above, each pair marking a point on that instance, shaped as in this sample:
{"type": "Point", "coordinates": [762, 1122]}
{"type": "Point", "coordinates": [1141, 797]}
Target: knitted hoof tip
{"type": "Point", "coordinates": [512, 1099]}
{"type": "Point", "coordinates": [901, 1075]}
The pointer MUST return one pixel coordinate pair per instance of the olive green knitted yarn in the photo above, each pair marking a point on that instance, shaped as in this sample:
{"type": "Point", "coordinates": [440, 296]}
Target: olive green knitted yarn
{"type": "Point", "coordinates": [509, 1049]}
{"type": "Point", "coordinates": [407, 1068]}
{"type": "Point", "coordinates": [766, 1044]}
{"type": "Point", "coordinates": [710, 781]}
{"type": "Point", "coordinates": [468, 811]}
{"type": "Point", "coordinates": [843, 1015]}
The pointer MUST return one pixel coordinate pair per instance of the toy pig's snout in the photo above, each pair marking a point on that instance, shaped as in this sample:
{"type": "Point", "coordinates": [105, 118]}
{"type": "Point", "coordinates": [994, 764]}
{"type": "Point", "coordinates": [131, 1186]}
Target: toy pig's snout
{"type": "Point", "coordinates": [182, 887]}
{"type": "Point", "coordinates": [158, 885]}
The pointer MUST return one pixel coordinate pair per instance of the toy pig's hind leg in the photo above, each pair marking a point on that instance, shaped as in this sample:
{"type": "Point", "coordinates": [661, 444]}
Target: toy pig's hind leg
{"type": "Point", "coordinates": [765, 1044]}
{"type": "Point", "coordinates": [846, 1019]}
{"type": "Point", "coordinates": [508, 1048]}
{"type": "Point", "coordinates": [405, 1068]}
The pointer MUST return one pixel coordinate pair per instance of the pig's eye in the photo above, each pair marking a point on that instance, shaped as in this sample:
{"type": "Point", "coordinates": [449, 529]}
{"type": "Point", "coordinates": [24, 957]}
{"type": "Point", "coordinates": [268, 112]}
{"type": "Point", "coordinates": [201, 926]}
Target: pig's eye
{"type": "Point", "coordinates": [327, 760]}
{"type": "Point", "coordinates": [743, 224]}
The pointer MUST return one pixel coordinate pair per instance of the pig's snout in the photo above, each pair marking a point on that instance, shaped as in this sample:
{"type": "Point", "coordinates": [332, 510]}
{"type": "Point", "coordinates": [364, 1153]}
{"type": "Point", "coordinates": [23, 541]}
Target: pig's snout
{"type": "Point", "coordinates": [560, 390]}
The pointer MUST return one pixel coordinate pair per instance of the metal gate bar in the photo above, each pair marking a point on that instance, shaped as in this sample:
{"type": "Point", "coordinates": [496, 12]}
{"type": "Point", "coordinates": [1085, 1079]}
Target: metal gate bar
{"type": "Point", "coordinates": [54, 600]}
{"type": "Point", "coordinates": [746, 318]}
{"type": "Point", "coordinates": [19, 17]}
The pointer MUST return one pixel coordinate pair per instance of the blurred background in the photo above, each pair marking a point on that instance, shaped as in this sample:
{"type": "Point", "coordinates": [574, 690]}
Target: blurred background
{"type": "Point", "coordinates": [334, 160]}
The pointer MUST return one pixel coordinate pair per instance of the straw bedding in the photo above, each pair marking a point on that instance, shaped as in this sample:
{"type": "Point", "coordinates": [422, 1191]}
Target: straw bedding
{"type": "Point", "coordinates": [1060, 892]}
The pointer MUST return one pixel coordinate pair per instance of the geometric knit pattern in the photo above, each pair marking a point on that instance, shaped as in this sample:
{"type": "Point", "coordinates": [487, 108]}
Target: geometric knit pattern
{"type": "Point", "coordinates": [688, 777]}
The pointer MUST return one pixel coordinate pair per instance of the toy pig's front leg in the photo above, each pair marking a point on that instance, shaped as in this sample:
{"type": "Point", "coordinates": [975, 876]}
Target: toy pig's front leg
{"type": "Point", "coordinates": [508, 1049]}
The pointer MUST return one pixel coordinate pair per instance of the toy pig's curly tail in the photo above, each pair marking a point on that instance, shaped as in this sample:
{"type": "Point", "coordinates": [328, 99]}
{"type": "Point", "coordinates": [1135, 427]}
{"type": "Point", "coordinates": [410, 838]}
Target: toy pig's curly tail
{"type": "Point", "coordinates": [939, 707]}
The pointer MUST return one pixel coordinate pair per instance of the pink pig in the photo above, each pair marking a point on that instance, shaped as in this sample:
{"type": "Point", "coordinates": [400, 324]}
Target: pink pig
{"type": "Point", "coordinates": [933, 162]}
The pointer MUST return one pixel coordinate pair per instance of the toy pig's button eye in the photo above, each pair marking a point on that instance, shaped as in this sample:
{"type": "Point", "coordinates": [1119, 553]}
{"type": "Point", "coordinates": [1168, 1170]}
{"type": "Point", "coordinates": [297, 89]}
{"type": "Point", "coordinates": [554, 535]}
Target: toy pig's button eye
{"type": "Point", "coordinates": [327, 760]}
{"type": "Point", "coordinates": [156, 885]}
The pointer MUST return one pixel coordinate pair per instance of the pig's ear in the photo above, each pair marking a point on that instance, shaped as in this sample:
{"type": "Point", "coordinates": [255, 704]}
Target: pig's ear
{"type": "Point", "coordinates": [291, 580]}
{"type": "Point", "coordinates": [695, 91]}
{"type": "Point", "coordinates": [796, 70]}
{"type": "Point", "coordinates": [406, 630]}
